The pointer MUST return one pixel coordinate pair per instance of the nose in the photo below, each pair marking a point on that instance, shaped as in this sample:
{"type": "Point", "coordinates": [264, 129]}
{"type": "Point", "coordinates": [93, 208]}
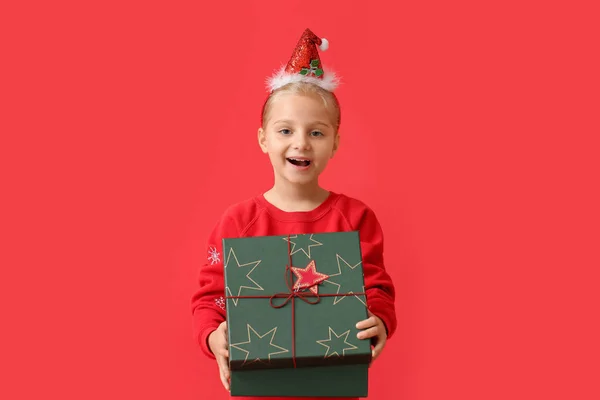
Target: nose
{"type": "Point", "coordinates": [301, 141]}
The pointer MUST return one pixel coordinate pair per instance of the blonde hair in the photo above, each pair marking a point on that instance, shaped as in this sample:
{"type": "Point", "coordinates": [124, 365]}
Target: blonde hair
{"type": "Point", "coordinates": [306, 89]}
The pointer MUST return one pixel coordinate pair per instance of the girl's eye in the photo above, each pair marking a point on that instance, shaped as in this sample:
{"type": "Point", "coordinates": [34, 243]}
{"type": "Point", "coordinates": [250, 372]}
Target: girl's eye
{"type": "Point", "coordinates": [285, 131]}
{"type": "Point", "coordinates": [316, 133]}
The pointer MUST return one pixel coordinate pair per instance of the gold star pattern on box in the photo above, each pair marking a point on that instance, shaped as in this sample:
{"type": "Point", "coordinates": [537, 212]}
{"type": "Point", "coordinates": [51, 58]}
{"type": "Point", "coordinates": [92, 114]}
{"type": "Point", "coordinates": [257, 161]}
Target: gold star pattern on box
{"type": "Point", "coordinates": [339, 344]}
{"type": "Point", "coordinates": [345, 267]}
{"type": "Point", "coordinates": [251, 265]}
{"type": "Point", "coordinates": [302, 242]}
{"type": "Point", "coordinates": [258, 345]}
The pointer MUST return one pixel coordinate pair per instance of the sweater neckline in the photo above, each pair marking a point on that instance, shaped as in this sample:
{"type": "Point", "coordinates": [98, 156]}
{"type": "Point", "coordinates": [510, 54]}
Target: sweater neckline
{"type": "Point", "coordinates": [298, 216]}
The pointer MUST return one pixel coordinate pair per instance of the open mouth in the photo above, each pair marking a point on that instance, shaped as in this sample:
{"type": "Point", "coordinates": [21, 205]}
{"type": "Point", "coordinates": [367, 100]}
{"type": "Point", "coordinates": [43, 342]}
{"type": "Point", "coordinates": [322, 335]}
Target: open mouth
{"type": "Point", "coordinates": [299, 162]}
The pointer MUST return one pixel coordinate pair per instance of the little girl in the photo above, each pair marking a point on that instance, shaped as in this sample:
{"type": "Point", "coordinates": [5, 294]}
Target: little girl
{"type": "Point", "coordinates": [299, 133]}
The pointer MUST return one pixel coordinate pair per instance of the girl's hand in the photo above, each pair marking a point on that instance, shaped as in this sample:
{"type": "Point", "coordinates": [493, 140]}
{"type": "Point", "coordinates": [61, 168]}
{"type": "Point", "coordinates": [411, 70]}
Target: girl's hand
{"type": "Point", "coordinates": [373, 327]}
{"type": "Point", "coordinates": [217, 341]}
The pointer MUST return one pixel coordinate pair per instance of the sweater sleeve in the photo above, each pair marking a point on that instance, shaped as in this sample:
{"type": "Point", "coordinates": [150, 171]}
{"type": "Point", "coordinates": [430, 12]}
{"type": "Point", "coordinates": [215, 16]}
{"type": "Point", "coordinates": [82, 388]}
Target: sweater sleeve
{"type": "Point", "coordinates": [208, 303]}
{"type": "Point", "coordinates": [378, 284]}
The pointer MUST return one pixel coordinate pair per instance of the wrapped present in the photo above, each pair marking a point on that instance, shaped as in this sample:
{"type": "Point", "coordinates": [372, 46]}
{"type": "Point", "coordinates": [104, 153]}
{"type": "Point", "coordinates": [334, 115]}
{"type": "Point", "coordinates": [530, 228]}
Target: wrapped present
{"type": "Point", "coordinates": [293, 302]}
{"type": "Point", "coordinates": [334, 381]}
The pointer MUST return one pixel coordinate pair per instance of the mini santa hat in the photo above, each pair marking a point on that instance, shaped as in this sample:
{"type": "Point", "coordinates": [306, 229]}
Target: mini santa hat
{"type": "Point", "coordinates": [305, 65]}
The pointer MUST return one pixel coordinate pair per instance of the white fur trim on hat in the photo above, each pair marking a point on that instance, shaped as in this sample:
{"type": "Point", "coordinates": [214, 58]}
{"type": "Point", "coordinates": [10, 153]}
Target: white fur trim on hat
{"type": "Point", "coordinates": [329, 82]}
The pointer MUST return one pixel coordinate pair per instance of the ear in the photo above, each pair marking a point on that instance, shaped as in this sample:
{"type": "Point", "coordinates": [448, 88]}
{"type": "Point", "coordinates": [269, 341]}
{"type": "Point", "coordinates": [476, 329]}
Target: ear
{"type": "Point", "coordinates": [262, 139]}
{"type": "Point", "coordinates": [336, 144]}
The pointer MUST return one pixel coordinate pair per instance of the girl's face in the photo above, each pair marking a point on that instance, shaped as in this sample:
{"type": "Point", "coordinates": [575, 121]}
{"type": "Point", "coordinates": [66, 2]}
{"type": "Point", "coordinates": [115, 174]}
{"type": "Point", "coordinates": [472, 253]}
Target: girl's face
{"type": "Point", "coordinates": [299, 138]}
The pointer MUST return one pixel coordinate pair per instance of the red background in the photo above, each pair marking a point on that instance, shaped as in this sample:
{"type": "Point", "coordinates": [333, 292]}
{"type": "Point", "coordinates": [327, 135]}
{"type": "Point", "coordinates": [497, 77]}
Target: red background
{"type": "Point", "coordinates": [469, 127]}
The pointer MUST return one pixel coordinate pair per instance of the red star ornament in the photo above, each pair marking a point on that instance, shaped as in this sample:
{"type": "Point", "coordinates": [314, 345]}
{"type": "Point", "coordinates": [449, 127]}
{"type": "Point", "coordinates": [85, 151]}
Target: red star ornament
{"type": "Point", "coordinates": [308, 277]}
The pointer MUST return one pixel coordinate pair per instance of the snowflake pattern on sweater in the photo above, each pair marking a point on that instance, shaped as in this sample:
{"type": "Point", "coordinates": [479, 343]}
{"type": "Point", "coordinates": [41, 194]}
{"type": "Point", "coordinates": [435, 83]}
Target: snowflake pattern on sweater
{"type": "Point", "coordinates": [220, 302]}
{"type": "Point", "coordinates": [213, 255]}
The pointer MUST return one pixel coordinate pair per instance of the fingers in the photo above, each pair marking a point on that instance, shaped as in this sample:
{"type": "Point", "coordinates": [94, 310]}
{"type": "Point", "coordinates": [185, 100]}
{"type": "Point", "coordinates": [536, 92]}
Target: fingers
{"type": "Point", "coordinates": [224, 371]}
{"type": "Point", "coordinates": [377, 349]}
{"type": "Point", "coordinates": [220, 346]}
{"type": "Point", "coordinates": [223, 352]}
{"type": "Point", "coordinates": [223, 329]}
{"type": "Point", "coordinates": [373, 327]}
{"type": "Point", "coordinates": [222, 356]}
{"type": "Point", "coordinates": [224, 374]}
{"type": "Point", "coordinates": [367, 323]}
{"type": "Point", "coordinates": [369, 333]}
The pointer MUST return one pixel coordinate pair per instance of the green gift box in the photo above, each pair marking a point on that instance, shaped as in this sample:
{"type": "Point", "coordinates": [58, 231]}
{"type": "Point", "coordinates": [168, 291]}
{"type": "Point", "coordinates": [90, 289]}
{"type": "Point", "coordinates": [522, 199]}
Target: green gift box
{"type": "Point", "coordinates": [293, 302]}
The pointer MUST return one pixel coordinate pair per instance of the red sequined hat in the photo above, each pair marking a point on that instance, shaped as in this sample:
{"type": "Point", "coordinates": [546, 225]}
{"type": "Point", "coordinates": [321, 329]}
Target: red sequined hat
{"type": "Point", "coordinates": [305, 65]}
